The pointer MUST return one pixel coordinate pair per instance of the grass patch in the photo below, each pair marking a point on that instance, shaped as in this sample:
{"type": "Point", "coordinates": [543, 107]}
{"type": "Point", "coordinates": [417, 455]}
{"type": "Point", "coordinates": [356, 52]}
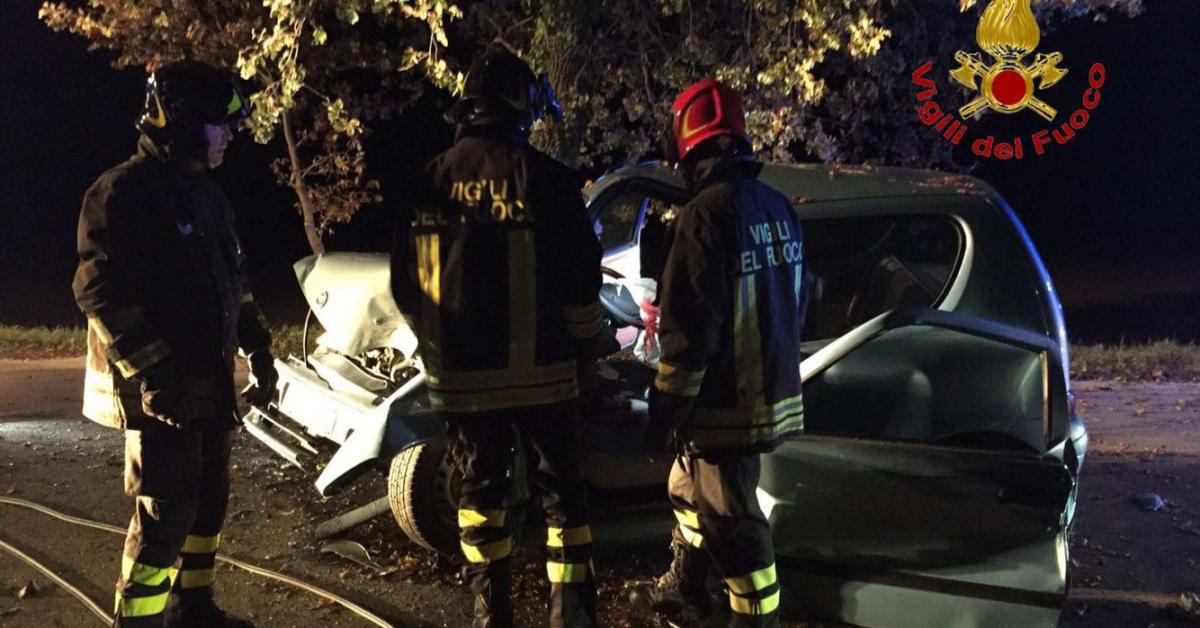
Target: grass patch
{"type": "Point", "coordinates": [1156, 361]}
{"type": "Point", "coordinates": [37, 343]}
{"type": "Point", "coordinates": [1153, 361]}
{"type": "Point", "coordinates": [287, 340]}
{"type": "Point", "coordinates": [41, 342]}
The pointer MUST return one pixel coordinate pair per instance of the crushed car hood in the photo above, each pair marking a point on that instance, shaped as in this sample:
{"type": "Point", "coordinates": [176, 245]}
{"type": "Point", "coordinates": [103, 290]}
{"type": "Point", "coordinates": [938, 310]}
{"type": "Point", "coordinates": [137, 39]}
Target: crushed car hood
{"type": "Point", "coordinates": [350, 294]}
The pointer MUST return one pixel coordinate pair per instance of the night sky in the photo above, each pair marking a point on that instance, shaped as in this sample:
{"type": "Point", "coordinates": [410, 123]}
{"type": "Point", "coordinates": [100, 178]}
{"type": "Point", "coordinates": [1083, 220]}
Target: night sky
{"type": "Point", "coordinates": [1113, 212]}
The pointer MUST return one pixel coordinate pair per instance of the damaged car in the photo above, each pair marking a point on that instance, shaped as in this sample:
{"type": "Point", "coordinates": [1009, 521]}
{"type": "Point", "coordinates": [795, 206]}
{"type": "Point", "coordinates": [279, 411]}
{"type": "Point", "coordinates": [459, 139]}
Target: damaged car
{"type": "Point", "coordinates": [935, 483]}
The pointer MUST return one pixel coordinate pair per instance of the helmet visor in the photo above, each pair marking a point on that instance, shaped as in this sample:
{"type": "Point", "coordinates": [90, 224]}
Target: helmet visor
{"type": "Point", "coordinates": [545, 101]}
{"type": "Point", "coordinates": [238, 108]}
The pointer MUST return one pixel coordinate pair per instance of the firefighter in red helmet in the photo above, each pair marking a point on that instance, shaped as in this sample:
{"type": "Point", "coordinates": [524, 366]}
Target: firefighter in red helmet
{"type": "Point", "coordinates": [732, 302]}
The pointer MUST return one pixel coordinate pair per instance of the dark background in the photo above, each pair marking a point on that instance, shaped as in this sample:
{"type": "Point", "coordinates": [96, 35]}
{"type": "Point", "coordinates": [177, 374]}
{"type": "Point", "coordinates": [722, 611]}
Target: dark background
{"type": "Point", "coordinates": [1113, 212]}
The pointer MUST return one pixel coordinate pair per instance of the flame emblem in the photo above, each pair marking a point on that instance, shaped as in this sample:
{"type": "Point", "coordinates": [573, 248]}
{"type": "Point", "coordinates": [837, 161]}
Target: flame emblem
{"type": "Point", "coordinates": [1008, 32]}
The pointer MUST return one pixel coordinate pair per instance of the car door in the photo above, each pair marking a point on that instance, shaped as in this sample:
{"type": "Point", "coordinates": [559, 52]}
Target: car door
{"type": "Point", "coordinates": [617, 219]}
{"type": "Point", "coordinates": [620, 207]}
{"type": "Point", "coordinates": [923, 492]}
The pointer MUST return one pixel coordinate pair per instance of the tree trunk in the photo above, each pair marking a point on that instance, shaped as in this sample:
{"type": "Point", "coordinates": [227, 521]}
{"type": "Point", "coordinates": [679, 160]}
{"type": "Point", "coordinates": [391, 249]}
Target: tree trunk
{"type": "Point", "coordinates": [562, 33]}
{"type": "Point", "coordinates": [306, 206]}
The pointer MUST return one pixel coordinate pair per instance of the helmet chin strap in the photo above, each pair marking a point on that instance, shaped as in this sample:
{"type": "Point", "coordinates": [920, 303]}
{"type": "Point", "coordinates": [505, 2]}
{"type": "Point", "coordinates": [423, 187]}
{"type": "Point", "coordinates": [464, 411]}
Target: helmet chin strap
{"type": "Point", "coordinates": [516, 126]}
{"type": "Point", "coordinates": [189, 154]}
{"type": "Point", "coordinates": [715, 154]}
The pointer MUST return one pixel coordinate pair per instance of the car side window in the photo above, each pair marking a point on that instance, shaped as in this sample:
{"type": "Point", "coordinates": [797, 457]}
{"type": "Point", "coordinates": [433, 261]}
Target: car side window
{"type": "Point", "coordinates": [860, 267]}
{"type": "Point", "coordinates": [616, 226]}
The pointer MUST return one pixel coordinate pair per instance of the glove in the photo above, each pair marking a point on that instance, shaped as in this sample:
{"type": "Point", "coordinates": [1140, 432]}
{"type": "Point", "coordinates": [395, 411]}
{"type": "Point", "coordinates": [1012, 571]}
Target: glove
{"type": "Point", "coordinates": [658, 439]}
{"type": "Point", "coordinates": [658, 435]}
{"type": "Point", "coordinates": [162, 394]}
{"type": "Point", "coordinates": [263, 378]}
{"type": "Point", "coordinates": [589, 382]}
{"type": "Point", "coordinates": [599, 346]}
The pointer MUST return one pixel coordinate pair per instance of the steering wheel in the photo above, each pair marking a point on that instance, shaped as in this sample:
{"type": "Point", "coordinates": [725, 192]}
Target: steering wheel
{"type": "Point", "coordinates": [605, 270]}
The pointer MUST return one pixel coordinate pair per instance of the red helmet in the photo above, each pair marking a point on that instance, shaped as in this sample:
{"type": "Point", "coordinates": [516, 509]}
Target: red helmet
{"type": "Point", "coordinates": [705, 110]}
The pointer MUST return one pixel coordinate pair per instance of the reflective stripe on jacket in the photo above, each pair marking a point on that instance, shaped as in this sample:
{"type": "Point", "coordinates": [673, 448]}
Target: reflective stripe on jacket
{"type": "Point", "coordinates": [161, 276]}
{"type": "Point", "coordinates": [498, 269]}
{"type": "Point", "coordinates": [732, 303]}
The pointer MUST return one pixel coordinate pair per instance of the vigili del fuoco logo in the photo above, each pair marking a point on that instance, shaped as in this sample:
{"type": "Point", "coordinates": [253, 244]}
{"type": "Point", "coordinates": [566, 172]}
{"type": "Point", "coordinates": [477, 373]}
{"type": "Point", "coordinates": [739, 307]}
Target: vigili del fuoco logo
{"type": "Point", "coordinates": [1008, 33]}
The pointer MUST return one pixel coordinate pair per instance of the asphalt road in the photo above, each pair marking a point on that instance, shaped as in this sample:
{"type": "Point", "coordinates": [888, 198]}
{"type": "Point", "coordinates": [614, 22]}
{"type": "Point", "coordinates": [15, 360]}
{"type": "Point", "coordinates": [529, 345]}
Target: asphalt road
{"type": "Point", "coordinates": [1128, 566]}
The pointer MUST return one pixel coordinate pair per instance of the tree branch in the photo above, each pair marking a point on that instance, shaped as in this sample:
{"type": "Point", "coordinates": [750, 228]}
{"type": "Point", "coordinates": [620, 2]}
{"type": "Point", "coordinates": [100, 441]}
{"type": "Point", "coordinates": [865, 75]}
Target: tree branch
{"type": "Point", "coordinates": [297, 182]}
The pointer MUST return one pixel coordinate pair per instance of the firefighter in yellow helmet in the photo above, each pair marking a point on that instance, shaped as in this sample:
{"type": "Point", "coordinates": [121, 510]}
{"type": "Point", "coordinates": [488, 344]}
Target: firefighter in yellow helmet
{"type": "Point", "coordinates": [498, 271]}
{"type": "Point", "coordinates": [732, 306]}
{"type": "Point", "coordinates": [162, 281]}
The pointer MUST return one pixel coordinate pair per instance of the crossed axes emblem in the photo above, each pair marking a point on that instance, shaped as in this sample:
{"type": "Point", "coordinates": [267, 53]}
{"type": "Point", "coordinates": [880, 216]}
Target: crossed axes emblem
{"type": "Point", "coordinates": [1007, 31]}
{"type": "Point", "coordinates": [1008, 84]}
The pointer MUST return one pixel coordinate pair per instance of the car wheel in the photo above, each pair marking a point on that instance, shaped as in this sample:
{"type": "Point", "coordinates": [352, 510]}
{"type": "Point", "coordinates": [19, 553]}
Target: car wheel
{"type": "Point", "coordinates": [423, 488]}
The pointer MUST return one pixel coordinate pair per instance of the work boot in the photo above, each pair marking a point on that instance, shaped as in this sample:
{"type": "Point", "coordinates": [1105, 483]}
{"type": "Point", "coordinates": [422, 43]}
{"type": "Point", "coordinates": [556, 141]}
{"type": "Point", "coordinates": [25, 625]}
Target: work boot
{"type": "Point", "coordinates": [683, 590]}
{"type": "Point", "coordinates": [148, 621]}
{"type": "Point", "coordinates": [198, 610]}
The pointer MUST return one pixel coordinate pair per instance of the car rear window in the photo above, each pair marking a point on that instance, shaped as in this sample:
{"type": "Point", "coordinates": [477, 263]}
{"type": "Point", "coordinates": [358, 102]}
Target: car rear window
{"type": "Point", "coordinates": [859, 267]}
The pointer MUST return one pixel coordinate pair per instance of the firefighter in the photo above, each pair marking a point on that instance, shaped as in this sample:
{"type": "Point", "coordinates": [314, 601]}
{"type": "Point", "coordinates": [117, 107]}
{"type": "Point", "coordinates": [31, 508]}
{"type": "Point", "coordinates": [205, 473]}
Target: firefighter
{"type": "Point", "coordinates": [497, 270]}
{"type": "Point", "coordinates": [162, 281]}
{"type": "Point", "coordinates": [728, 384]}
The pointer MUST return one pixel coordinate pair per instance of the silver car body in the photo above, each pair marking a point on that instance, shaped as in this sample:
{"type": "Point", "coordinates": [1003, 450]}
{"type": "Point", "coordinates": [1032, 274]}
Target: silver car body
{"type": "Point", "coordinates": [885, 513]}
{"type": "Point", "coordinates": [935, 485]}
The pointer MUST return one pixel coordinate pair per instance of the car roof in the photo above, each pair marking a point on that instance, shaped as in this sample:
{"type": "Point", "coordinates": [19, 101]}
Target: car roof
{"type": "Point", "coordinates": [811, 183]}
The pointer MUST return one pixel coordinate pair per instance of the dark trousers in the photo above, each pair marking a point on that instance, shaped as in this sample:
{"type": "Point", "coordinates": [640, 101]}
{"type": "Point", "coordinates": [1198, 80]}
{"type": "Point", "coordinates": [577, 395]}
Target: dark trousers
{"type": "Point", "coordinates": [717, 511]}
{"type": "Point", "coordinates": [482, 447]}
{"type": "Point", "coordinates": [180, 479]}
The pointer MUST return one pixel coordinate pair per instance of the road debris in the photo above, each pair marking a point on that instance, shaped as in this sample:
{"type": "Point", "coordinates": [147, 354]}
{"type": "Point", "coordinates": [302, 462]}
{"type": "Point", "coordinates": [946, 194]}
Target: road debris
{"type": "Point", "coordinates": [352, 518]}
{"type": "Point", "coordinates": [356, 553]}
{"type": "Point", "coordinates": [1188, 605]}
{"type": "Point", "coordinates": [1149, 502]}
{"type": "Point", "coordinates": [29, 590]}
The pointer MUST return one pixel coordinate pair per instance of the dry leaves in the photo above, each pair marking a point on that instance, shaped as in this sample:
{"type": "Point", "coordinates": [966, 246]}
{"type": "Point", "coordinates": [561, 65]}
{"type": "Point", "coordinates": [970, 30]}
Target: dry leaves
{"type": "Point", "coordinates": [30, 590]}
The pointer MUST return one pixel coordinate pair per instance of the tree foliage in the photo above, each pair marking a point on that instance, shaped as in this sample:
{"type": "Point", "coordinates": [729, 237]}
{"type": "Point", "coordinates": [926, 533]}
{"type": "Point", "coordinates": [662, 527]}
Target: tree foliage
{"type": "Point", "coordinates": [821, 80]}
{"type": "Point", "coordinates": [323, 71]}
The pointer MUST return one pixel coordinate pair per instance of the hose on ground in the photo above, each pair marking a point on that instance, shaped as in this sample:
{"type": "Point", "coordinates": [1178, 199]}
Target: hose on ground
{"type": "Point", "coordinates": [60, 581]}
{"type": "Point", "coordinates": [254, 569]}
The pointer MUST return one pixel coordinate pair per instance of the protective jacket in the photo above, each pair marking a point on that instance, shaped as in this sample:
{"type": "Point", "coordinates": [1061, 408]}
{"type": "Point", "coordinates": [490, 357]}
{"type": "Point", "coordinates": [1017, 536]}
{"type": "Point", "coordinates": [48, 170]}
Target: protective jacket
{"type": "Point", "coordinates": [162, 276]}
{"type": "Point", "coordinates": [732, 301]}
{"type": "Point", "coordinates": [498, 270]}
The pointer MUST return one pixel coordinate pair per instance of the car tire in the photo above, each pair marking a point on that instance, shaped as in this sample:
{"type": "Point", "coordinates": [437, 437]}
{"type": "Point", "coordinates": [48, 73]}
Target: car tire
{"type": "Point", "coordinates": [422, 492]}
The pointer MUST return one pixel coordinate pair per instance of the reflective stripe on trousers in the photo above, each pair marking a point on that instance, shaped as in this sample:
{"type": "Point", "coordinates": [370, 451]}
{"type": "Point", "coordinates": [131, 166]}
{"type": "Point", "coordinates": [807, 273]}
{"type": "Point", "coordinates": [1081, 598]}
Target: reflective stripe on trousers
{"type": "Point", "coordinates": [689, 527]}
{"type": "Point", "coordinates": [754, 593]}
{"type": "Point", "coordinates": [716, 508]}
{"type": "Point", "coordinates": [481, 445]}
{"type": "Point", "coordinates": [197, 562]}
{"type": "Point", "coordinates": [570, 554]}
{"type": "Point", "coordinates": [484, 537]}
{"type": "Point", "coordinates": [571, 574]}
{"type": "Point", "coordinates": [144, 590]}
